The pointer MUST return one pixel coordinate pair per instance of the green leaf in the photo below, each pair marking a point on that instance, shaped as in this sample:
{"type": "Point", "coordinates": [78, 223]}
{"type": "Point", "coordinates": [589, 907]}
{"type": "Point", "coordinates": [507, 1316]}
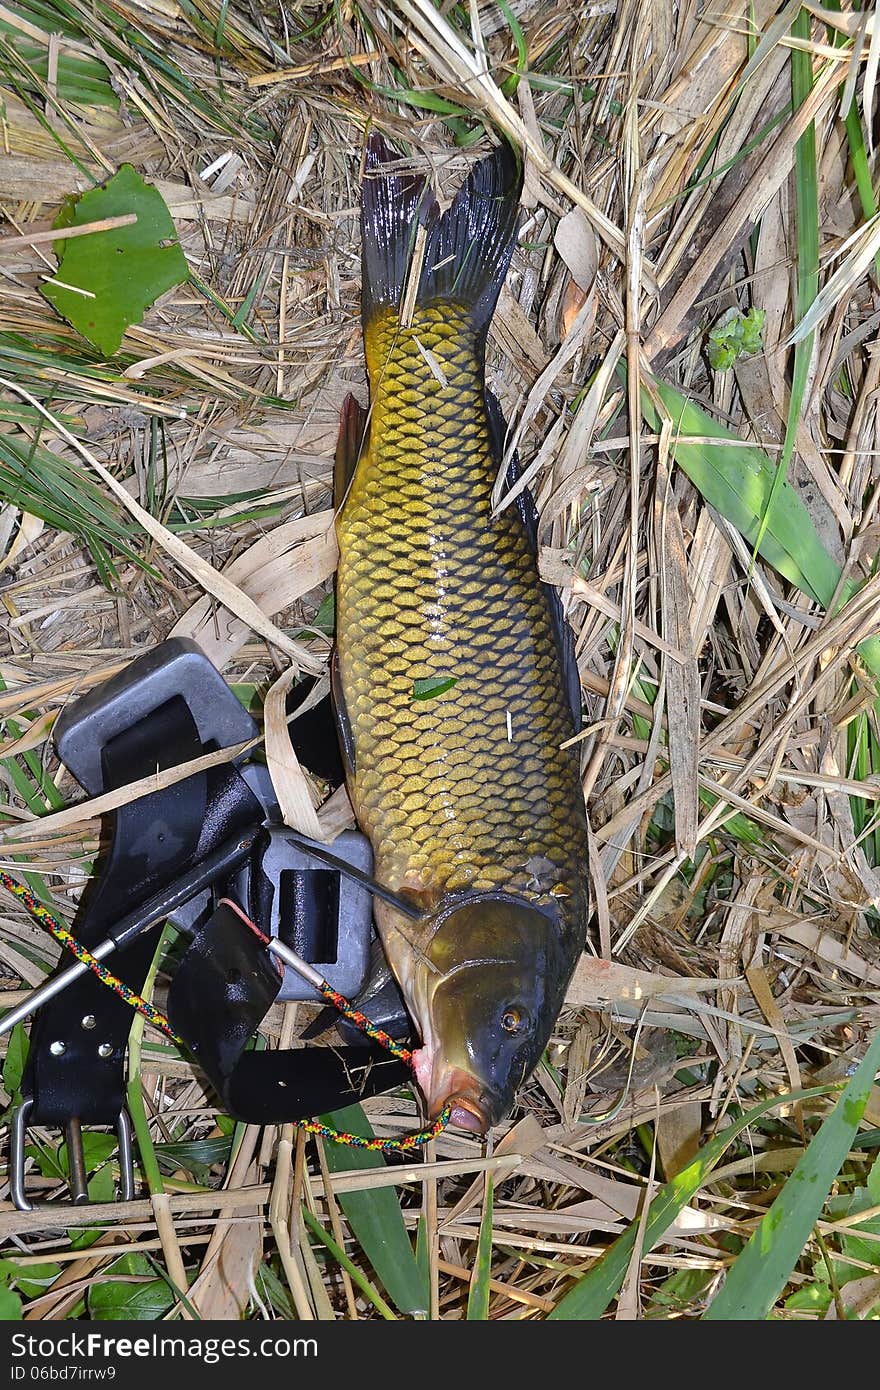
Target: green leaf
{"type": "Point", "coordinates": [874, 1182]}
{"type": "Point", "coordinates": [80, 81]}
{"type": "Point", "coordinates": [592, 1293]}
{"type": "Point", "coordinates": [197, 1156]}
{"type": "Point", "coordinates": [107, 280]}
{"type": "Point", "coordinates": [737, 480]}
{"type": "Point", "coordinates": [511, 82]}
{"type": "Point", "coordinates": [56, 490]}
{"type": "Point", "coordinates": [116, 1299]}
{"type": "Point", "coordinates": [812, 1298]}
{"type": "Point", "coordinates": [807, 220]}
{"type": "Point", "coordinates": [759, 1274]}
{"type": "Point", "coordinates": [679, 1292]}
{"type": "Point", "coordinates": [325, 618]}
{"type": "Point", "coordinates": [345, 1262]}
{"type": "Point", "coordinates": [860, 1243]}
{"type": "Point", "coordinates": [478, 1293]}
{"type": "Point", "coordinates": [14, 1062]}
{"type": "Point", "coordinates": [375, 1217]}
{"type": "Point", "coordinates": [10, 1305]}
{"type": "Point", "coordinates": [431, 686]}
{"type": "Point", "coordinates": [735, 335]}
{"type": "Point", "coordinates": [268, 1283]}
{"type": "Point", "coordinates": [31, 1280]}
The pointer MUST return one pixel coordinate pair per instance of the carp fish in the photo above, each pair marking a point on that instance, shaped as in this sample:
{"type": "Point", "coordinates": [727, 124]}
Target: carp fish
{"type": "Point", "coordinates": [454, 678]}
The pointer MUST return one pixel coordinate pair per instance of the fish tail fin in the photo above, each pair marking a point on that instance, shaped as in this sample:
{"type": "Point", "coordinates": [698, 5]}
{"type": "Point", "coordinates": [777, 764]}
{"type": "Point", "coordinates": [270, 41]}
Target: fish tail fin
{"type": "Point", "coordinates": [392, 206]}
{"type": "Point", "coordinates": [467, 249]}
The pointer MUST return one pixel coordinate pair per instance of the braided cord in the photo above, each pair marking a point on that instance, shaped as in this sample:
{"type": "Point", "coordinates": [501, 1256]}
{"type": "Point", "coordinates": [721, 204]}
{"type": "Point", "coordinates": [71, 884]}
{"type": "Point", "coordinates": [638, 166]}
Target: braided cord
{"type": "Point", "coordinates": [64, 937]}
{"type": "Point", "coordinates": [60, 932]}
{"type": "Point", "coordinates": [361, 1021]}
{"type": "Point", "coordinates": [359, 1141]}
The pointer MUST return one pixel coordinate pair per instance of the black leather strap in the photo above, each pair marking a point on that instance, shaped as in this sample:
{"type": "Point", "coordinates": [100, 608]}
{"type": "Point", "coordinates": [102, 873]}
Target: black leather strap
{"type": "Point", "coordinates": [222, 991]}
{"type": "Point", "coordinates": [76, 1060]}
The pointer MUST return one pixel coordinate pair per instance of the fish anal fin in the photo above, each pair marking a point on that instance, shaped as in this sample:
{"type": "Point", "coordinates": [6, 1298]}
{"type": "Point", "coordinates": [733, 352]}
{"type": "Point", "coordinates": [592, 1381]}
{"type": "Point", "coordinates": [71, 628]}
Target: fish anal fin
{"type": "Point", "coordinates": [349, 444]}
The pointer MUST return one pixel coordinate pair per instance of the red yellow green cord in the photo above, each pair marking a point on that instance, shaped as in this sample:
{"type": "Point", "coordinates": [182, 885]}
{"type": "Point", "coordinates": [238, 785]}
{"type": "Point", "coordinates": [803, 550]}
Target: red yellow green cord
{"type": "Point", "coordinates": [64, 937]}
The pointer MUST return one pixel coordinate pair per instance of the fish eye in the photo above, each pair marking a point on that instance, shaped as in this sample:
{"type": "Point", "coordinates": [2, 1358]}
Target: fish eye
{"type": "Point", "coordinates": [513, 1020]}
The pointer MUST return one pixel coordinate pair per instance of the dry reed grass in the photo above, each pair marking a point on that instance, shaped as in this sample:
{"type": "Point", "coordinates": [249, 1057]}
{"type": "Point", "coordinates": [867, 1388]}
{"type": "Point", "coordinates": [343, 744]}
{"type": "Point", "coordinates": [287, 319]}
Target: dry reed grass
{"type": "Point", "coordinates": [661, 139]}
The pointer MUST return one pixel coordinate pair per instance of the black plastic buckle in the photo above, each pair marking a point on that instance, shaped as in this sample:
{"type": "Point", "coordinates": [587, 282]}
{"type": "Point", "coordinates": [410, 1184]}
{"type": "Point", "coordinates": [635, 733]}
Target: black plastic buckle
{"type": "Point", "coordinates": [79, 1191]}
{"type": "Point", "coordinates": [321, 914]}
{"type": "Point", "coordinates": [165, 707]}
{"type": "Point", "coordinates": [177, 668]}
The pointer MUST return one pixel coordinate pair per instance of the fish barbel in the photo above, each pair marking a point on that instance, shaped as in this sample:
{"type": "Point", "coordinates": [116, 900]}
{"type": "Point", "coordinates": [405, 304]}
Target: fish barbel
{"type": "Point", "coordinates": [454, 674]}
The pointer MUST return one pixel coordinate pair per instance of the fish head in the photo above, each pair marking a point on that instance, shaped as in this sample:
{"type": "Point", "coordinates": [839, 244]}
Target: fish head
{"type": "Point", "coordinates": [487, 1007]}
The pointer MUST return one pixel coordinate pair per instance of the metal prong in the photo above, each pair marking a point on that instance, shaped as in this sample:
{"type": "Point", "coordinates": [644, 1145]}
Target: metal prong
{"type": "Point", "coordinates": [79, 1191]}
{"type": "Point", "coordinates": [76, 1162]}
{"type": "Point", "coordinates": [126, 1158]}
{"type": "Point", "coordinates": [16, 1157]}
{"type": "Point", "coordinates": [278, 948]}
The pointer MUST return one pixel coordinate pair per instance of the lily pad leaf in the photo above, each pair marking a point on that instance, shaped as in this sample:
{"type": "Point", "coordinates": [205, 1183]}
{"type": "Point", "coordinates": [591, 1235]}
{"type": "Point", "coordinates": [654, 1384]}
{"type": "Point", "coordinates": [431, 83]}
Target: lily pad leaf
{"type": "Point", "coordinates": [106, 280]}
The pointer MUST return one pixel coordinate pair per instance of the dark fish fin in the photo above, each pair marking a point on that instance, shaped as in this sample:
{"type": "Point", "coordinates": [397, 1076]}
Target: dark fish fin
{"type": "Point", "coordinates": [468, 249]}
{"type": "Point", "coordinates": [404, 905]}
{"type": "Point", "coordinates": [528, 514]}
{"type": "Point", "coordinates": [392, 205]}
{"type": "Point", "coordinates": [313, 735]}
{"type": "Point", "coordinates": [343, 723]}
{"type": "Point", "coordinates": [525, 502]}
{"type": "Point", "coordinates": [353, 422]}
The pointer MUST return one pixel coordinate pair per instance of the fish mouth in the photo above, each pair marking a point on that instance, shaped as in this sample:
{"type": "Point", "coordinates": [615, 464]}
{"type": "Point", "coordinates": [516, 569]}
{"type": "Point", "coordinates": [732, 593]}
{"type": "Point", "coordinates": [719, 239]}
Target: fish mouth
{"type": "Point", "coordinates": [444, 1086]}
{"type": "Point", "coordinates": [467, 1114]}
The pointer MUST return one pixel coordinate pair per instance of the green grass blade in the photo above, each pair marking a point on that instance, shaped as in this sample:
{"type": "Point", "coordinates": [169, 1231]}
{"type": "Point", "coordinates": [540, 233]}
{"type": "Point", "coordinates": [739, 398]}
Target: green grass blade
{"type": "Point", "coordinates": [339, 1255]}
{"type": "Point", "coordinates": [760, 1273]}
{"type": "Point", "coordinates": [592, 1294]}
{"type": "Point", "coordinates": [375, 1217]}
{"type": "Point", "coordinates": [736, 479]}
{"type": "Point", "coordinates": [478, 1293]}
{"type": "Point", "coordinates": [806, 187]}
{"type": "Point", "coordinates": [856, 138]}
{"type": "Point", "coordinates": [511, 82]}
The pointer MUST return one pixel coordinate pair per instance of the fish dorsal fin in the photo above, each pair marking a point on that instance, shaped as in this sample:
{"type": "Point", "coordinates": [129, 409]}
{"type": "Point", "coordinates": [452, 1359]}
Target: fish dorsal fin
{"type": "Point", "coordinates": [528, 514]}
{"type": "Point", "coordinates": [353, 422]}
{"type": "Point", "coordinates": [468, 248]}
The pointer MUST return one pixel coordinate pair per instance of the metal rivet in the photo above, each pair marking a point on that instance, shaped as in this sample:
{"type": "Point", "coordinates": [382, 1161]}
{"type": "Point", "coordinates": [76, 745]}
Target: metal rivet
{"type": "Point", "coordinates": [105, 1050]}
{"type": "Point", "coordinates": [89, 1021]}
{"type": "Point", "coordinates": [58, 1048]}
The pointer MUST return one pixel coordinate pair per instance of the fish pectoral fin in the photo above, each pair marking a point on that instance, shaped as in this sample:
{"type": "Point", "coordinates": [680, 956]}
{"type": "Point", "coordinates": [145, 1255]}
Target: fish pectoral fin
{"type": "Point", "coordinates": [528, 514]}
{"type": "Point", "coordinates": [353, 422]}
{"type": "Point", "coordinates": [343, 723]}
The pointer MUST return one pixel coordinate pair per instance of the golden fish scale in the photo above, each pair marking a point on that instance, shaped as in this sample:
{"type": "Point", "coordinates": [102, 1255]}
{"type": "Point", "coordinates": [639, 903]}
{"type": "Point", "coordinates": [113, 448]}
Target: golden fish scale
{"type": "Point", "coordinates": [469, 788]}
